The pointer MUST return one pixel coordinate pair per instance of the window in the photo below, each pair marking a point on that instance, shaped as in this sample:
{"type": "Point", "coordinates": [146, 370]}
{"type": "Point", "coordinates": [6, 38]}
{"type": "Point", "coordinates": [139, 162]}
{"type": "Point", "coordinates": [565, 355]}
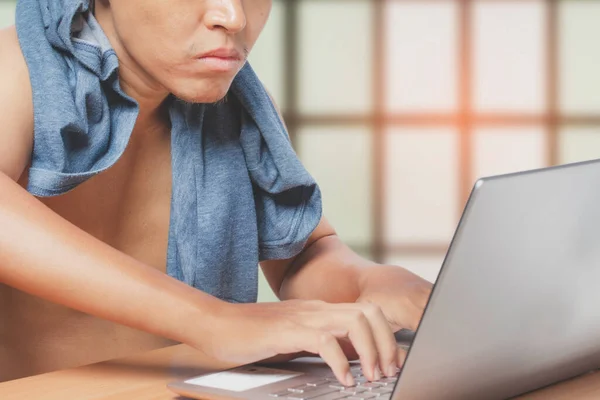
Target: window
{"type": "Point", "coordinates": [398, 106]}
{"type": "Point", "coordinates": [7, 12]}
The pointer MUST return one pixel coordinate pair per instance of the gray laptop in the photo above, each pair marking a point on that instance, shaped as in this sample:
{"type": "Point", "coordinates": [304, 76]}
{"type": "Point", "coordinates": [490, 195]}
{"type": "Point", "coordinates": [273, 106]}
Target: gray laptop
{"type": "Point", "coordinates": [516, 305]}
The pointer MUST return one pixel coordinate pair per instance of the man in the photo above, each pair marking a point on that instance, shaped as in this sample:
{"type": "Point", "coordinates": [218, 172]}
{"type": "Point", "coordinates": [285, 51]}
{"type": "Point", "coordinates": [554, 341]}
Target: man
{"type": "Point", "coordinates": [84, 272]}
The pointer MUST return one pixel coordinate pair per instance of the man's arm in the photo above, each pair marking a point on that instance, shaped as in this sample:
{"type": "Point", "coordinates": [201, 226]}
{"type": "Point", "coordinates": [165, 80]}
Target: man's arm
{"type": "Point", "coordinates": [44, 255]}
{"type": "Point", "coordinates": [329, 270]}
{"type": "Point", "coordinates": [309, 274]}
{"type": "Point", "coordinates": [324, 260]}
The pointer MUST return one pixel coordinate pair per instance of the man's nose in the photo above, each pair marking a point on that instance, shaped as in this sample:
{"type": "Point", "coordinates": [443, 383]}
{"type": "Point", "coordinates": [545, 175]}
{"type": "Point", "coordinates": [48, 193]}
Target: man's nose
{"type": "Point", "coordinates": [226, 14]}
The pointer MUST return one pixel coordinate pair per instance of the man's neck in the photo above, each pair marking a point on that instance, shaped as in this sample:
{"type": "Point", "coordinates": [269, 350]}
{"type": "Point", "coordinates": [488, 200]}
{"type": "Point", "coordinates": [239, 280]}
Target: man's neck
{"type": "Point", "coordinates": [150, 97]}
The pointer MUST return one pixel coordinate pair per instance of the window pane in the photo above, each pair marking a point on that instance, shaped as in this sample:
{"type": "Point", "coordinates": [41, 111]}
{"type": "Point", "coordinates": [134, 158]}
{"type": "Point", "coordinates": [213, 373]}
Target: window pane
{"type": "Point", "coordinates": [504, 150]}
{"type": "Point", "coordinates": [426, 266]}
{"type": "Point", "coordinates": [422, 56]}
{"type": "Point", "coordinates": [335, 56]}
{"type": "Point", "coordinates": [340, 160]}
{"type": "Point", "coordinates": [421, 185]}
{"type": "Point", "coordinates": [579, 144]}
{"type": "Point", "coordinates": [267, 56]}
{"type": "Point", "coordinates": [579, 56]}
{"type": "Point", "coordinates": [265, 293]}
{"type": "Point", "coordinates": [509, 55]}
{"type": "Point", "coordinates": [363, 252]}
{"type": "Point", "coordinates": [7, 13]}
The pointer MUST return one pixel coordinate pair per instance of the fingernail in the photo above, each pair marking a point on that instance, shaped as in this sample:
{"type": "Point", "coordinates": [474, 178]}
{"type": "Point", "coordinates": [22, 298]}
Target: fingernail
{"type": "Point", "coordinates": [392, 369]}
{"type": "Point", "coordinates": [349, 379]}
{"type": "Point", "coordinates": [376, 374]}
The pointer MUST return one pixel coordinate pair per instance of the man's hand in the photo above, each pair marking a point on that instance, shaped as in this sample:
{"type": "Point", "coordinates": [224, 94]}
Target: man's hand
{"type": "Point", "coordinates": [399, 293]}
{"type": "Point", "coordinates": [391, 298]}
{"type": "Point", "coordinates": [330, 271]}
{"type": "Point", "coordinates": [253, 332]}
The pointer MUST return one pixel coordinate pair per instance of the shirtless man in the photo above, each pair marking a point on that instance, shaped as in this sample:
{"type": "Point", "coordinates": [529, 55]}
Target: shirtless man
{"type": "Point", "coordinates": [80, 281]}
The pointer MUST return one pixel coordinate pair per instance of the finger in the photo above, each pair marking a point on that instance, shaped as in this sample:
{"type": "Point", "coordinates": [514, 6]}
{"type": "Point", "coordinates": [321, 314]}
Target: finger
{"type": "Point", "coordinates": [415, 318]}
{"type": "Point", "coordinates": [326, 345]}
{"type": "Point", "coordinates": [384, 338]}
{"type": "Point", "coordinates": [348, 321]}
{"type": "Point", "coordinates": [401, 354]}
{"type": "Point", "coordinates": [361, 335]}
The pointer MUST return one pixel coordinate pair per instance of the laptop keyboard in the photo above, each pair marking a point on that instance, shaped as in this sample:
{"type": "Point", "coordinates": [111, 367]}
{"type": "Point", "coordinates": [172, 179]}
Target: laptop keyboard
{"type": "Point", "coordinates": [332, 389]}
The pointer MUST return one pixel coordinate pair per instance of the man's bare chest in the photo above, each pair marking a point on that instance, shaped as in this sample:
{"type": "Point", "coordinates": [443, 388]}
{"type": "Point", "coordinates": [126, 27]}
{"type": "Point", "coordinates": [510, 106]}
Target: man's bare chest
{"type": "Point", "coordinates": [128, 205]}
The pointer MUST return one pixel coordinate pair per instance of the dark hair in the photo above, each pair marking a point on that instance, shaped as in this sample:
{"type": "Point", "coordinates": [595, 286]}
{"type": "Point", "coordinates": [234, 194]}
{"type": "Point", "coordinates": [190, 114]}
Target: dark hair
{"type": "Point", "coordinates": [93, 6]}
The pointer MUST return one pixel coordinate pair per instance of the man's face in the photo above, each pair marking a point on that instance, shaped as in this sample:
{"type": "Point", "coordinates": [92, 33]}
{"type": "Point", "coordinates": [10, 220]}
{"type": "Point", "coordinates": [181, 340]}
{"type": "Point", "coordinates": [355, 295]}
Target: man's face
{"type": "Point", "coordinates": [168, 41]}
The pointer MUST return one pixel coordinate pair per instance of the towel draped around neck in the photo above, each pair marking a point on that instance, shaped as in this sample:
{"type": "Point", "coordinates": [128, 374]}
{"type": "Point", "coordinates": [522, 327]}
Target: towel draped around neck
{"type": "Point", "coordinates": [239, 193]}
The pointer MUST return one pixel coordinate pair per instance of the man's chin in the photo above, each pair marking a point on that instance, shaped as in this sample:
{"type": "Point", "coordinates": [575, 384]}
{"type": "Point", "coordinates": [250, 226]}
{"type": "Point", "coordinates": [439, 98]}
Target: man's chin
{"type": "Point", "coordinates": [200, 99]}
{"type": "Point", "coordinates": [202, 94]}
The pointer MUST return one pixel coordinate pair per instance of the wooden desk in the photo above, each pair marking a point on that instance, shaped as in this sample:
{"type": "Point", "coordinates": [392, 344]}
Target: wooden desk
{"type": "Point", "coordinates": [144, 377]}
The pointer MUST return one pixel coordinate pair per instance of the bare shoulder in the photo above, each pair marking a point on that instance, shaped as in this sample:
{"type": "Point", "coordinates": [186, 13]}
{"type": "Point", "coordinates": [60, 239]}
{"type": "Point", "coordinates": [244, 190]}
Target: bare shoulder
{"type": "Point", "coordinates": [16, 107]}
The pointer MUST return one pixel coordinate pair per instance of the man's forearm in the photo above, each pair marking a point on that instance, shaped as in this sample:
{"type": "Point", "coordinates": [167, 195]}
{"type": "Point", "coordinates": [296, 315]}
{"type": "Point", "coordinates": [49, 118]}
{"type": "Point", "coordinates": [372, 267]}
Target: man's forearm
{"type": "Point", "coordinates": [44, 255]}
{"type": "Point", "coordinates": [327, 270]}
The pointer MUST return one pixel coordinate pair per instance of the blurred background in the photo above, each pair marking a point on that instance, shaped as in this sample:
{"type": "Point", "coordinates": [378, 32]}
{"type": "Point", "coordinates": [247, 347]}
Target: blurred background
{"type": "Point", "coordinates": [397, 106]}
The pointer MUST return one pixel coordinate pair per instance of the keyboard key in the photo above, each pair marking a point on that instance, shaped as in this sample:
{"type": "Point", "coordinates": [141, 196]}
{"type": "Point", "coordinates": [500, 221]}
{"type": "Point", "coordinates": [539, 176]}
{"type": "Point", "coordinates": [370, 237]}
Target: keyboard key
{"type": "Point", "coordinates": [379, 383]}
{"type": "Point", "coordinates": [362, 396]}
{"type": "Point", "coordinates": [381, 391]}
{"type": "Point", "coordinates": [296, 390]}
{"type": "Point", "coordinates": [302, 388]}
{"type": "Point", "coordinates": [283, 393]}
{"type": "Point", "coordinates": [383, 384]}
{"type": "Point", "coordinates": [319, 382]}
{"type": "Point", "coordinates": [332, 396]}
{"type": "Point", "coordinates": [354, 390]}
{"type": "Point", "coordinates": [311, 395]}
{"type": "Point", "coordinates": [369, 385]}
{"type": "Point", "coordinates": [337, 386]}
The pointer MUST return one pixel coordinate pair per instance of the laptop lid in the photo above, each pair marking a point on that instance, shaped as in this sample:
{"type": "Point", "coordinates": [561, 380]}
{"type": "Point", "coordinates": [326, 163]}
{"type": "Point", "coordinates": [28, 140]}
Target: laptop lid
{"type": "Point", "coordinates": [517, 303]}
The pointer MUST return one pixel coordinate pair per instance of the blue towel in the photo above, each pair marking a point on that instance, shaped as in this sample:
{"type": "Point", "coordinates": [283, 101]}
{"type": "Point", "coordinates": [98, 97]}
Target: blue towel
{"type": "Point", "coordinates": [239, 193]}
